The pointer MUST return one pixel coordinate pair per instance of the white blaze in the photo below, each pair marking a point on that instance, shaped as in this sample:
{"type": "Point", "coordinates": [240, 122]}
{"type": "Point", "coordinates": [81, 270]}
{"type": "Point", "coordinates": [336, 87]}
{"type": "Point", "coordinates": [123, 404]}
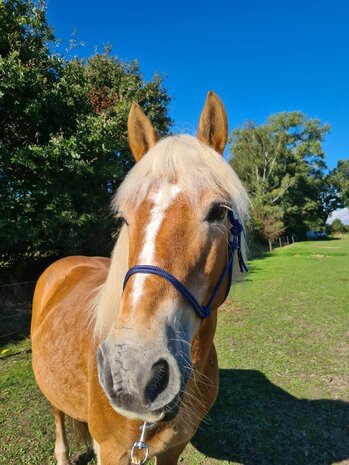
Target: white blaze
{"type": "Point", "coordinates": [161, 199]}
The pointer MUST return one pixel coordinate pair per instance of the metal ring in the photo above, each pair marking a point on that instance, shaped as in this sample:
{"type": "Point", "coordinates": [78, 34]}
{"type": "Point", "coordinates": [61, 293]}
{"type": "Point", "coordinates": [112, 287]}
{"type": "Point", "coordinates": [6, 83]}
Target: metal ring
{"type": "Point", "coordinates": [139, 445]}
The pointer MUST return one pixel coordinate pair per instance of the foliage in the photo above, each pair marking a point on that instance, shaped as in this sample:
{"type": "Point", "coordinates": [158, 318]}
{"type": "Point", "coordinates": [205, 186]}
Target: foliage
{"type": "Point", "coordinates": [63, 138]}
{"type": "Point", "coordinates": [339, 178]}
{"type": "Point", "coordinates": [282, 165]}
{"type": "Point", "coordinates": [267, 221]}
{"type": "Point", "coordinates": [337, 226]}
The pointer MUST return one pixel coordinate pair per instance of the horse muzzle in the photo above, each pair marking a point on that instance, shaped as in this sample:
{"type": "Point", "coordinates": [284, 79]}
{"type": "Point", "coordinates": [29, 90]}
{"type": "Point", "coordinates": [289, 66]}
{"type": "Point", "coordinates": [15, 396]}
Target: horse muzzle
{"type": "Point", "coordinates": [141, 384]}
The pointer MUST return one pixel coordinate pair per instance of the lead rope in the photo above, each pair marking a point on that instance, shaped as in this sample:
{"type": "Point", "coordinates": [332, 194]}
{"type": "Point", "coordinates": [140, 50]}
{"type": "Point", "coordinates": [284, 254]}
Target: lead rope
{"type": "Point", "coordinates": [141, 445]}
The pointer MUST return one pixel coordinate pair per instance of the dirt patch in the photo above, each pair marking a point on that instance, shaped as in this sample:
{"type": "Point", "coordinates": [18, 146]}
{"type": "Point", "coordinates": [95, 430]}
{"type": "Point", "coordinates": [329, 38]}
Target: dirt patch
{"type": "Point", "coordinates": [338, 385]}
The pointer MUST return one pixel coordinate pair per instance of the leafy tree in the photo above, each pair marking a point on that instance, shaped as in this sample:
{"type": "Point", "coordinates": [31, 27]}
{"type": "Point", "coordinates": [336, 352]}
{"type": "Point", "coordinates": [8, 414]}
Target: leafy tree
{"type": "Point", "coordinates": [337, 226]}
{"type": "Point", "coordinates": [339, 178]}
{"type": "Point", "coordinates": [63, 138]}
{"type": "Point", "coordinates": [282, 165]}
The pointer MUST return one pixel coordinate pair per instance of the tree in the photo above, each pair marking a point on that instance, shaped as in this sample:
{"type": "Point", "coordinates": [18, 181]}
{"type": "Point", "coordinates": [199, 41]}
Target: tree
{"type": "Point", "coordinates": [282, 165]}
{"type": "Point", "coordinates": [337, 227]}
{"type": "Point", "coordinates": [63, 138]}
{"type": "Point", "coordinates": [339, 178]}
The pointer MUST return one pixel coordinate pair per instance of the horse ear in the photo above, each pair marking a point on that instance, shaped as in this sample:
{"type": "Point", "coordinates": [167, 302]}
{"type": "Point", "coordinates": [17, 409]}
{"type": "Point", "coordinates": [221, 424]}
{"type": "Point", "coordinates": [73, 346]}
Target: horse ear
{"type": "Point", "coordinates": [141, 134]}
{"type": "Point", "coordinates": [213, 125]}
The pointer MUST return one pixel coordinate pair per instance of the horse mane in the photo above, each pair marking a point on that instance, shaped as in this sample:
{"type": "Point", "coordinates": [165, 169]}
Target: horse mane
{"type": "Point", "coordinates": [195, 168]}
{"type": "Point", "coordinates": [192, 165]}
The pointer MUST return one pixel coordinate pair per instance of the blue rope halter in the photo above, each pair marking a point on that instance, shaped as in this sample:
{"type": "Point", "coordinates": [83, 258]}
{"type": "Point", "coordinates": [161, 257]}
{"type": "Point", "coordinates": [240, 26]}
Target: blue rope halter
{"type": "Point", "coordinates": [203, 311]}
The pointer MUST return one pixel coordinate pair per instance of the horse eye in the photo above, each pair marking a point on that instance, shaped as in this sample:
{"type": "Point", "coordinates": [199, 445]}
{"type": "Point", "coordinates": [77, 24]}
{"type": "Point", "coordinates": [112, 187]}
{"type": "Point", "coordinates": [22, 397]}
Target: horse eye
{"type": "Point", "coordinates": [216, 213]}
{"type": "Point", "coordinates": [123, 220]}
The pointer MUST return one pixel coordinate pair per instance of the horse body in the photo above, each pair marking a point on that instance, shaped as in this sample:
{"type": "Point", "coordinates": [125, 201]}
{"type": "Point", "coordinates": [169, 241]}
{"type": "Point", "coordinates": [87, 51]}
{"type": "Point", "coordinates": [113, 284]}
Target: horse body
{"type": "Point", "coordinates": [65, 365]}
{"type": "Point", "coordinates": [113, 357]}
{"type": "Point", "coordinates": [61, 333]}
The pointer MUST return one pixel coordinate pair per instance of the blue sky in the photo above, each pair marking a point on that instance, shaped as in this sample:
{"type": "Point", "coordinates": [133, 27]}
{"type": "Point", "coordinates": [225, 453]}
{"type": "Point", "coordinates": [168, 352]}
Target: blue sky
{"type": "Point", "coordinates": [260, 56]}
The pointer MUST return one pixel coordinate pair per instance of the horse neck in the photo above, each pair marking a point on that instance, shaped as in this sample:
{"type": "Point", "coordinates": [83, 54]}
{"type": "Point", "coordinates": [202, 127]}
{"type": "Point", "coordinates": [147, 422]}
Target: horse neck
{"type": "Point", "coordinates": [109, 298]}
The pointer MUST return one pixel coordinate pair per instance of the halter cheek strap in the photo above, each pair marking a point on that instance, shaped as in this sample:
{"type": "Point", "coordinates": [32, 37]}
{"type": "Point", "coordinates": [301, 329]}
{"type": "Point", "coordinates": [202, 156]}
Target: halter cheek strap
{"type": "Point", "coordinates": [203, 311]}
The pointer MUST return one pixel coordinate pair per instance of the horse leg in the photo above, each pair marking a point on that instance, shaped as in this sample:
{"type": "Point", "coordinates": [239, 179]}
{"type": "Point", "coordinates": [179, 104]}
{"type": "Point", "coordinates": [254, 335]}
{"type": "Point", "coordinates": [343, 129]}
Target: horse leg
{"type": "Point", "coordinates": [96, 448]}
{"type": "Point", "coordinates": [171, 456]}
{"type": "Point", "coordinates": [61, 445]}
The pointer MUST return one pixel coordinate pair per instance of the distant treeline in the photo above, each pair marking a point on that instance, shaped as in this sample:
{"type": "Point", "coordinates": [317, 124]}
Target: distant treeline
{"type": "Point", "coordinates": [283, 166]}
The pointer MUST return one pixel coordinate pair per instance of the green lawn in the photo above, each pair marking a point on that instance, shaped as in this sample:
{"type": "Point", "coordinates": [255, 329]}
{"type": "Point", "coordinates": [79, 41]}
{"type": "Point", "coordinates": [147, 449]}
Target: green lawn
{"type": "Point", "coordinates": [283, 344]}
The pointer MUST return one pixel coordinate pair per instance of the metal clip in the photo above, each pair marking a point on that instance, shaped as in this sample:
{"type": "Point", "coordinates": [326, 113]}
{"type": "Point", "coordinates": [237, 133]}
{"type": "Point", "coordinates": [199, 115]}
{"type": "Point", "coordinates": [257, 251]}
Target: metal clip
{"type": "Point", "coordinates": [141, 445]}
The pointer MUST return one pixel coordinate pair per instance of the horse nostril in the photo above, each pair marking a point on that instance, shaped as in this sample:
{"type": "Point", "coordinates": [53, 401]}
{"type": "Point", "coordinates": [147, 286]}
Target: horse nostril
{"type": "Point", "coordinates": [158, 381]}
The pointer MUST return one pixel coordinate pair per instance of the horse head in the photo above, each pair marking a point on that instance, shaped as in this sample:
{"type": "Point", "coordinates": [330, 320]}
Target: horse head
{"type": "Point", "coordinates": [175, 203]}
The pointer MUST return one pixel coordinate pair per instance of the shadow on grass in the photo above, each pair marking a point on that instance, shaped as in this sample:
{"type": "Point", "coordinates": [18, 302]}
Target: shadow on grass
{"type": "Point", "coordinates": [85, 458]}
{"type": "Point", "coordinates": [254, 422]}
{"type": "Point", "coordinates": [15, 312]}
{"type": "Point", "coordinates": [14, 324]}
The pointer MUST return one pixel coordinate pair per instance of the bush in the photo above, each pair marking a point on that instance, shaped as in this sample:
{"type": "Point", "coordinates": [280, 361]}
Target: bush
{"type": "Point", "coordinates": [63, 139]}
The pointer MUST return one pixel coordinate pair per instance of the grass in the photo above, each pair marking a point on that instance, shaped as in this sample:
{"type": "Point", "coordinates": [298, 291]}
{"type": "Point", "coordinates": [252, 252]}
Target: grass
{"type": "Point", "coordinates": [283, 344]}
{"type": "Point", "coordinates": [26, 424]}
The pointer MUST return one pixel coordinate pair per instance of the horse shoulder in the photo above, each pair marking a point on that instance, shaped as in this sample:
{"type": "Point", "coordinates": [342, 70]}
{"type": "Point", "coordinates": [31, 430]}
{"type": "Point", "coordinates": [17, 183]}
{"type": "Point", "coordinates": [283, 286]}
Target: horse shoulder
{"type": "Point", "coordinates": [61, 276]}
{"type": "Point", "coordinates": [61, 331]}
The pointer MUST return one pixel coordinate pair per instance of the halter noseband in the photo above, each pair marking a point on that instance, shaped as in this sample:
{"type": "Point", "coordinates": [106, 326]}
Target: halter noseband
{"type": "Point", "coordinates": [234, 245]}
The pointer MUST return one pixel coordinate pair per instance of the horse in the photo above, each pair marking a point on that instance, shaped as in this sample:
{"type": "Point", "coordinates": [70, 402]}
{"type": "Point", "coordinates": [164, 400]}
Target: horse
{"type": "Point", "coordinates": [124, 344]}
